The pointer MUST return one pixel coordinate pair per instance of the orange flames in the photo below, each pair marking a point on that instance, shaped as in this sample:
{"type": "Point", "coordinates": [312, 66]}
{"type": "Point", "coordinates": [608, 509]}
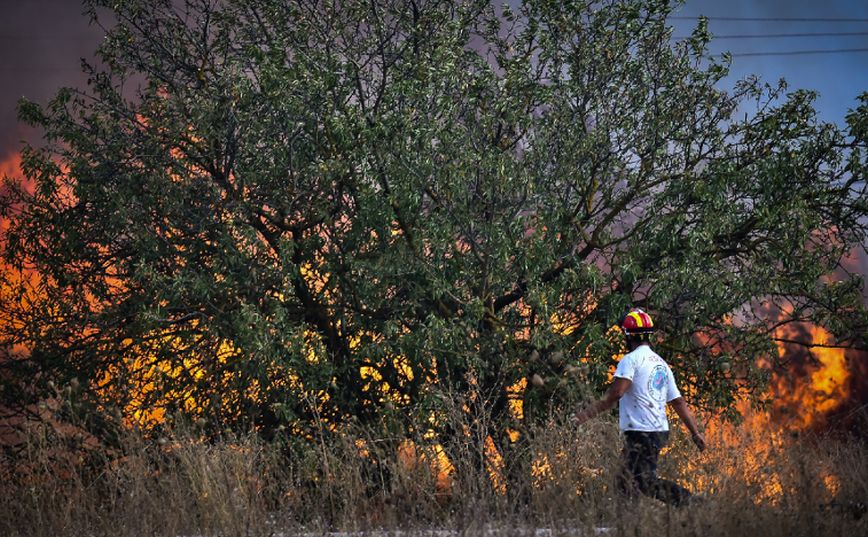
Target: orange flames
{"type": "Point", "coordinates": [814, 385]}
{"type": "Point", "coordinates": [811, 384]}
{"type": "Point", "coordinates": [809, 388]}
{"type": "Point", "coordinates": [9, 167]}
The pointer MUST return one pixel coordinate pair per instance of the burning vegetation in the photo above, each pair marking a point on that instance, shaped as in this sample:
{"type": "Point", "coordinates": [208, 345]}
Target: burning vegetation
{"type": "Point", "coordinates": [817, 385]}
{"type": "Point", "coordinates": [341, 265]}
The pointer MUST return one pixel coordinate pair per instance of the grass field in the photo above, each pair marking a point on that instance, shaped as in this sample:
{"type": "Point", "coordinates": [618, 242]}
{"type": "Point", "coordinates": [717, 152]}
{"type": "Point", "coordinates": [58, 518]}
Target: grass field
{"type": "Point", "coordinates": [755, 480]}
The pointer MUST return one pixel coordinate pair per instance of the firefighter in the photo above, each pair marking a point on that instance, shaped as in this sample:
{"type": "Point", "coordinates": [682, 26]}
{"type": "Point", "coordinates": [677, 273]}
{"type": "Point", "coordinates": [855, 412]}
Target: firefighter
{"type": "Point", "coordinates": [642, 386]}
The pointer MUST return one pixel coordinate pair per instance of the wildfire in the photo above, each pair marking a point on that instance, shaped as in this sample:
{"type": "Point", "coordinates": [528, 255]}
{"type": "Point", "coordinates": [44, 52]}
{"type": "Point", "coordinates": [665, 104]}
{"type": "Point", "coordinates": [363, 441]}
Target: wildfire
{"type": "Point", "coordinates": [804, 393]}
{"type": "Point", "coordinates": [810, 385]}
{"type": "Point", "coordinates": [813, 384]}
{"type": "Point", "coordinates": [11, 168]}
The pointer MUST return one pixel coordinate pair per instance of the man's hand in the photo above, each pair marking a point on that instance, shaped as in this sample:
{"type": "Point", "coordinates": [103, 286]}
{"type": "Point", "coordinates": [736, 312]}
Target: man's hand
{"type": "Point", "coordinates": [588, 413]}
{"type": "Point", "coordinates": [699, 440]}
{"type": "Point", "coordinates": [613, 394]}
{"type": "Point", "coordinates": [686, 415]}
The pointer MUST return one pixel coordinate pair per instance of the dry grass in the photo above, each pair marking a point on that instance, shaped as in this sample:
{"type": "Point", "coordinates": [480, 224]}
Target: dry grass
{"type": "Point", "coordinates": [754, 481]}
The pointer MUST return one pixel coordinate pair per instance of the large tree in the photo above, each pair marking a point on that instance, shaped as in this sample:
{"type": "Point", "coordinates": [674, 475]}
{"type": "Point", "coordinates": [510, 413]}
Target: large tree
{"type": "Point", "coordinates": [280, 213]}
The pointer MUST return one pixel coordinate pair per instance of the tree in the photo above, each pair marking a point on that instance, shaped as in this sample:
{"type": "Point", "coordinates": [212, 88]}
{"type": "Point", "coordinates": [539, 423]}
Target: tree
{"type": "Point", "coordinates": [274, 213]}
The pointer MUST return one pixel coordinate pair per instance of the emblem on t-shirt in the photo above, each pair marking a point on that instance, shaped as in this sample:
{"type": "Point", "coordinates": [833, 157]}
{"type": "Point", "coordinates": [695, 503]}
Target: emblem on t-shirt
{"type": "Point", "coordinates": [657, 383]}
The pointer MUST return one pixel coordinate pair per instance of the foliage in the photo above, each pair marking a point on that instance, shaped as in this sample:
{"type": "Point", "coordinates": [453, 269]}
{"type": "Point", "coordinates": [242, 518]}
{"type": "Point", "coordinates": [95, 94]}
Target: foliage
{"type": "Point", "coordinates": [278, 215]}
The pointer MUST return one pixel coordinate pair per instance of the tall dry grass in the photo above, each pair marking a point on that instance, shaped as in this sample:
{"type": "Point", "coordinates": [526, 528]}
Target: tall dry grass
{"type": "Point", "coordinates": [754, 480]}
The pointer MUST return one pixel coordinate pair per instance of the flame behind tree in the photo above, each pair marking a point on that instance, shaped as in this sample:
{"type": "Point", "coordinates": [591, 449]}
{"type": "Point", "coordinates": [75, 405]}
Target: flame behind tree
{"type": "Point", "coordinates": [819, 386]}
{"type": "Point", "coordinates": [298, 201]}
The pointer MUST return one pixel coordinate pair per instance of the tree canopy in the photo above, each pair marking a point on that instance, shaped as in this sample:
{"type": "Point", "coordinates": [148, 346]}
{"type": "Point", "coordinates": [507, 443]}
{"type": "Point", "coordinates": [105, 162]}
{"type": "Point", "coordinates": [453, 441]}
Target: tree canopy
{"type": "Point", "coordinates": [277, 214]}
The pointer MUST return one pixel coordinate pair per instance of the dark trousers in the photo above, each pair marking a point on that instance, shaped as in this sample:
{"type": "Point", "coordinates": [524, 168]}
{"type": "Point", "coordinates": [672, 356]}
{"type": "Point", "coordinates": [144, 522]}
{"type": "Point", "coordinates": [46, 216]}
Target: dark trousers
{"type": "Point", "coordinates": [639, 471]}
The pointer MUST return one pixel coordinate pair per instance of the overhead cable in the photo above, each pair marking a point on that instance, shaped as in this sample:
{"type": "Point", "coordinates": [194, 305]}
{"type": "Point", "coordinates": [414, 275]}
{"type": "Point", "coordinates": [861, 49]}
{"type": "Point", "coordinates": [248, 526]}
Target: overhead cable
{"type": "Point", "coordinates": [770, 19]}
{"type": "Point", "coordinates": [765, 36]}
{"type": "Point", "coordinates": [799, 52]}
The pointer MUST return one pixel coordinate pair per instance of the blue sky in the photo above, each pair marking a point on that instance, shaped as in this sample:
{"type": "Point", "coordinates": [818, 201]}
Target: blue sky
{"type": "Point", "coordinates": [838, 77]}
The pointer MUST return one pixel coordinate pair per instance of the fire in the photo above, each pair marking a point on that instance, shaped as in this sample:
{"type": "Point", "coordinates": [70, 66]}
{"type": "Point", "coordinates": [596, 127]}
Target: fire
{"type": "Point", "coordinates": [803, 401]}
{"type": "Point", "coordinates": [432, 459]}
{"type": "Point", "coordinates": [766, 461]}
{"type": "Point", "coordinates": [10, 167]}
{"type": "Point", "coordinates": [804, 396]}
{"type": "Point", "coordinates": [803, 393]}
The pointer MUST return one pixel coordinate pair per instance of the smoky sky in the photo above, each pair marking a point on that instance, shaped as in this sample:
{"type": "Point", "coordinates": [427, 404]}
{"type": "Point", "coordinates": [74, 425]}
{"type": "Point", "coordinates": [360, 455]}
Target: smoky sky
{"type": "Point", "coordinates": [41, 46]}
{"type": "Point", "coordinates": [42, 42]}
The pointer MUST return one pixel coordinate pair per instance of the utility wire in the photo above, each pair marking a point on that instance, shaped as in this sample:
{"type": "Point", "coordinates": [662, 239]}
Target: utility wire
{"type": "Point", "coordinates": [771, 19]}
{"type": "Point", "coordinates": [799, 52]}
{"type": "Point", "coordinates": [764, 36]}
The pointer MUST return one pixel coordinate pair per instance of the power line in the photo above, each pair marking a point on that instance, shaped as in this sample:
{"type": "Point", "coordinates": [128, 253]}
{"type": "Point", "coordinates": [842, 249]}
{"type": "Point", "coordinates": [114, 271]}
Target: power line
{"type": "Point", "coordinates": [764, 36]}
{"type": "Point", "coordinates": [771, 19]}
{"type": "Point", "coordinates": [799, 52]}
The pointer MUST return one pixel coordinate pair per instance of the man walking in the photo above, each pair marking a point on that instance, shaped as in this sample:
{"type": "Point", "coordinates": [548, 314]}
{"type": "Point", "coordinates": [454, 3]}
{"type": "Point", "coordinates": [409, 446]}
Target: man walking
{"type": "Point", "coordinates": [642, 386]}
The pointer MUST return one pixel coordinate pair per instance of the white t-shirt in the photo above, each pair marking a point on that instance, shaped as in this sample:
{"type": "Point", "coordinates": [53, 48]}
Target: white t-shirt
{"type": "Point", "coordinates": [643, 406]}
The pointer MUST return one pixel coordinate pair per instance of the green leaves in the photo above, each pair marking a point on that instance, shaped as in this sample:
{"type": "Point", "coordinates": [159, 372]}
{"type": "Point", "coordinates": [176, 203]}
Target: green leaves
{"type": "Point", "coordinates": [298, 198]}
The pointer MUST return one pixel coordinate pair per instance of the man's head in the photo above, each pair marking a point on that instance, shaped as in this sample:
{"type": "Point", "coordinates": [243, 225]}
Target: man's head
{"type": "Point", "coordinates": [638, 327]}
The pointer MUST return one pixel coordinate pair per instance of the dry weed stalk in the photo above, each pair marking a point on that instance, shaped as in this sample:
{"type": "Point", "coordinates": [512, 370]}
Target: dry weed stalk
{"type": "Point", "coordinates": [369, 478]}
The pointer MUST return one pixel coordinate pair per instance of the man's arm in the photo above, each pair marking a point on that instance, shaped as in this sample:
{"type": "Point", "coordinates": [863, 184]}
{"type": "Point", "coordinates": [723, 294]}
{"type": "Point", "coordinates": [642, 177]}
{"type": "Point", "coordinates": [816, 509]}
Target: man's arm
{"type": "Point", "coordinates": [686, 415]}
{"type": "Point", "coordinates": [618, 388]}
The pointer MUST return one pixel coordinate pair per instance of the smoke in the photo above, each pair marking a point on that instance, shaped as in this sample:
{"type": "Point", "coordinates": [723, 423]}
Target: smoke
{"type": "Point", "coordinates": [42, 43]}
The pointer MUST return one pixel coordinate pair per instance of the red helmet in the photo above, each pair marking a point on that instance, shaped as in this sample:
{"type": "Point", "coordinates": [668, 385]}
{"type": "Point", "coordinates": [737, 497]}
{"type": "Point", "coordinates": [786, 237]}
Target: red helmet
{"type": "Point", "coordinates": [637, 322]}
